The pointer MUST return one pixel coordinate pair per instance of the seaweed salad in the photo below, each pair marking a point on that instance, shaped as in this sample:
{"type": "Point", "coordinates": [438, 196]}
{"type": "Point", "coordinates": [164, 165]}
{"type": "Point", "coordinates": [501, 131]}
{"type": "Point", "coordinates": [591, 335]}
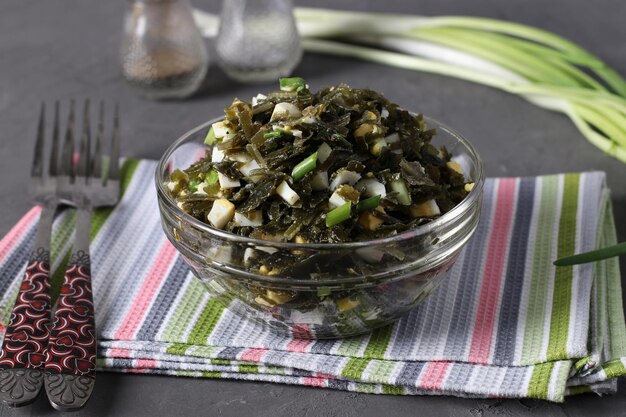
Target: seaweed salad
{"type": "Point", "coordinates": [338, 165]}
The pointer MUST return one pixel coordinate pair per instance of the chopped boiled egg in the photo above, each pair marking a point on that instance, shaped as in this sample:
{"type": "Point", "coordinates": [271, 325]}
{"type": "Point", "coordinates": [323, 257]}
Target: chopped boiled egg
{"type": "Point", "coordinates": [247, 168]}
{"type": "Point", "coordinates": [252, 218]}
{"type": "Point", "coordinates": [344, 176]}
{"type": "Point", "coordinates": [372, 187]}
{"type": "Point", "coordinates": [221, 213]}
{"type": "Point", "coordinates": [427, 209]}
{"type": "Point", "coordinates": [223, 128]}
{"type": "Point", "coordinates": [226, 182]}
{"type": "Point", "coordinates": [287, 194]}
{"type": "Point", "coordinates": [217, 155]}
{"type": "Point", "coordinates": [284, 111]}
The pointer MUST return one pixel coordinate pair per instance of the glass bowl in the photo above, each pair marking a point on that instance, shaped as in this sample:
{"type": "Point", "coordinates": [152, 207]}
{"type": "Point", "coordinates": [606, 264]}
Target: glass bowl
{"type": "Point", "coordinates": [332, 290]}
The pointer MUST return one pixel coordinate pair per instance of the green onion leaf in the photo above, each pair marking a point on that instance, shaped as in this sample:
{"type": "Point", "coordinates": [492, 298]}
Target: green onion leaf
{"type": "Point", "coordinates": [193, 185]}
{"type": "Point", "coordinates": [338, 214]}
{"type": "Point", "coordinates": [323, 291]}
{"type": "Point", "coordinates": [210, 138]}
{"type": "Point", "coordinates": [273, 134]}
{"type": "Point", "coordinates": [592, 256]}
{"type": "Point", "coordinates": [399, 186]}
{"type": "Point", "coordinates": [212, 177]}
{"type": "Point", "coordinates": [368, 203]}
{"type": "Point", "coordinates": [304, 167]}
{"type": "Point", "coordinates": [292, 84]}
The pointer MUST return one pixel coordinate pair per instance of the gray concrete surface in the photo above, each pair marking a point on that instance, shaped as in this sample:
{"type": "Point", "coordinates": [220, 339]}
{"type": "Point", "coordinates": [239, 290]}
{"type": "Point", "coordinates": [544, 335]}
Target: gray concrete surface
{"type": "Point", "coordinates": [62, 49]}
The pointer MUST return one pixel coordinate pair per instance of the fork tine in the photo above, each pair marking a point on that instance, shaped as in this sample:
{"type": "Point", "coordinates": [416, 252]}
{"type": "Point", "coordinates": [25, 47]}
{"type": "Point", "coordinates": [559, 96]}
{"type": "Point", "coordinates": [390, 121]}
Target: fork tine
{"type": "Point", "coordinates": [114, 163]}
{"type": "Point", "coordinates": [67, 166]}
{"type": "Point", "coordinates": [37, 169]}
{"type": "Point", "coordinates": [54, 154]}
{"type": "Point", "coordinates": [84, 156]}
{"type": "Point", "coordinates": [97, 156]}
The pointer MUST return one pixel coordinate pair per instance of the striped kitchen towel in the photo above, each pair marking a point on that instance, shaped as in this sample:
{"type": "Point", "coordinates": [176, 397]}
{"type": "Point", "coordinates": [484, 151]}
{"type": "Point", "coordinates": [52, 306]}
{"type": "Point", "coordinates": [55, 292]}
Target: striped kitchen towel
{"type": "Point", "coordinates": [505, 324]}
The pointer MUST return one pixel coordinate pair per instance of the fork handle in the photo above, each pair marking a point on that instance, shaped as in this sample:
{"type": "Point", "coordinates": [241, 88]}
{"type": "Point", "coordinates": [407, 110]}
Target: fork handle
{"type": "Point", "coordinates": [70, 368]}
{"type": "Point", "coordinates": [22, 356]}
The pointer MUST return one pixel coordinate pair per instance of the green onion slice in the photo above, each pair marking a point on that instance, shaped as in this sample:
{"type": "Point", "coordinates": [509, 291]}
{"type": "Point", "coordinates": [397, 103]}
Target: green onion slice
{"type": "Point", "coordinates": [212, 177]}
{"type": "Point", "coordinates": [210, 138]}
{"type": "Point", "coordinates": [368, 203]}
{"type": "Point", "coordinates": [592, 256]}
{"type": "Point", "coordinates": [273, 134]}
{"type": "Point", "coordinates": [304, 167]}
{"type": "Point", "coordinates": [292, 84]}
{"type": "Point", "coordinates": [399, 186]}
{"type": "Point", "coordinates": [338, 214]}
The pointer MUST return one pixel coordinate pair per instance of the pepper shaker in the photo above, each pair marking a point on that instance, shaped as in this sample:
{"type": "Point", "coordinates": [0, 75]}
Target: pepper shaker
{"type": "Point", "coordinates": [258, 40]}
{"type": "Point", "coordinates": [163, 55]}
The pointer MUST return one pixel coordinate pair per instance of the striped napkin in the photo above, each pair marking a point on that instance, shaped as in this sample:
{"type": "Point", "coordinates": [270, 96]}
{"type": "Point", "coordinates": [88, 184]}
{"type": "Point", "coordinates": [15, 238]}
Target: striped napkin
{"type": "Point", "coordinates": [506, 323]}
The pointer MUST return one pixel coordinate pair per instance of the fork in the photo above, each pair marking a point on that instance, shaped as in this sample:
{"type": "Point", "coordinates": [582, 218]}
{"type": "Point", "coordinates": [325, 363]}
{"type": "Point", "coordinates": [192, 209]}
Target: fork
{"type": "Point", "coordinates": [22, 356]}
{"type": "Point", "coordinates": [71, 355]}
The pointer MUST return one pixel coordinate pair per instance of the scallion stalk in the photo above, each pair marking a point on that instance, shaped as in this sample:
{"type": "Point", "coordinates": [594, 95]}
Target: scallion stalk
{"type": "Point", "coordinates": [210, 138]}
{"type": "Point", "coordinates": [211, 178]}
{"type": "Point", "coordinates": [399, 186]}
{"type": "Point", "coordinates": [273, 134]}
{"type": "Point", "coordinates": [338, 215]}
{"type": "Point", "coordinates": [368, 203]}
{"type": "Point", "coordinates": [292, 84]}
{"type": "Point", "coordinates": [593, 256]}
{"type": "Point", "coordinates": [304, 167]}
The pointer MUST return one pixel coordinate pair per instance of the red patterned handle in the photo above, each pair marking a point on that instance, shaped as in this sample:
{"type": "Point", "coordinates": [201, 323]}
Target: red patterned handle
{"type": "Point", "coordinates": [72, 345]}
{"type": "Point", "coordinates": [22, 356]}
{"type": "Point", "coordinates": [28, 330]}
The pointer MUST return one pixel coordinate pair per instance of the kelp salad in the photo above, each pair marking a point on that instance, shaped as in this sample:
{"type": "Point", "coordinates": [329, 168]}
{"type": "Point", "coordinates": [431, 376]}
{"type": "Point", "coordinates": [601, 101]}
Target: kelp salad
{"type": "Point", "coordinates": [337, 166]}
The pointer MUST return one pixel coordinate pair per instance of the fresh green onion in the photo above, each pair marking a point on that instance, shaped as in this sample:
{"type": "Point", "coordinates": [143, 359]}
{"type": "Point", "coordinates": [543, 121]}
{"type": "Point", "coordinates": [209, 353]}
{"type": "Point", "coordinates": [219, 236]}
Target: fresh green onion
{"type": "Point", "coordinates": [304, 167]}
{"type": "Point", "coordinates": [212, 177]}
{"type": "Point", "coordinates": [273, 134]}
{"type": "Point", "coordinates": [323, 291]}
{"type": "Point", "coordinates": [210, 138]}
{"type": "Point", "coordinates": [368, 203]}
{"type": "Point", "coordinates": [546, 69]}
{"type": "Point", "coordinates": [593, 256]}
{"type": "Point", "coordinates": [292, 84]}
{"type": "Point", "coordinates": [193, 185]}
{"type": "Point", "coordinates": [399, 186]}
{"type": "Point", "coordinates": [338, 214]}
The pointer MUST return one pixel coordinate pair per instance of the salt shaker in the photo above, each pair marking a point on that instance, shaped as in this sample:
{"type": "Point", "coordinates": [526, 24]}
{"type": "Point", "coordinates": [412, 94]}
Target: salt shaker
{"type": "Point", "coordinates": [258, 40]}
{"type": "Point", "coordinates": [163, 55]}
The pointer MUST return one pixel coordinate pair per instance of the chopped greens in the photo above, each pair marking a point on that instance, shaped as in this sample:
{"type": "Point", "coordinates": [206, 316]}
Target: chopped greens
{"type": "Point", "coordinates": [338, 165]}
{"type": "Point", "coordinates": [338, 215]}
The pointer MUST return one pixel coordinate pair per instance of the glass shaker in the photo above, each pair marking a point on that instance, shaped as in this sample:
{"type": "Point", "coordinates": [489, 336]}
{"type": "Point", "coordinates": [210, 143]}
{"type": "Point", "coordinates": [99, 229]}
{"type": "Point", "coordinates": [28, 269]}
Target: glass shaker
{"type": "Point", "coordinates": [258, 40]}
{"type": "Point", "coordinates": [163, 55]}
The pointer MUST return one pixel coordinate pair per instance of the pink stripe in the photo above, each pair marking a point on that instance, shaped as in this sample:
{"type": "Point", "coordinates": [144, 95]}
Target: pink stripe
{"type": "Point", "coordinates": [495, 263]}
{"type": "Point", "coordinates": [146, 363]}
{"type": "Point", "coordinates": [252, 355]}
{"type": "Point", "coordinates": [17, 232]}
{"type": "Point", "coordinates": [146, 294]}
{"type": "Point", "coordinates": [434, 375]}
{"type": "Point", "coordinates": [313, 382]}
{"type": "Point", "coordinates": [325, 376]}
{"type": "Point", "coordinates": [118, 353]}
{"type": "Point", "coordinates": [299, 345]}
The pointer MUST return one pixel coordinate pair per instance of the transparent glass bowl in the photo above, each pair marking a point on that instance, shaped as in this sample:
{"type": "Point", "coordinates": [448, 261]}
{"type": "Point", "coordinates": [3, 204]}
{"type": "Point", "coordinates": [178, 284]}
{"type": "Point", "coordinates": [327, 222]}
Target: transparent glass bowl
{"type": "Point", "coordinates": [333, 290]}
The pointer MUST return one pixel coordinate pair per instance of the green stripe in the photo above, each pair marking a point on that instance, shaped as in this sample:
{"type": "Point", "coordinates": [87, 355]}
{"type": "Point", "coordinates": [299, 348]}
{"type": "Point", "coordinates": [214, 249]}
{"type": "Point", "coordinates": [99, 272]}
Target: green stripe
{"type": "Point", "coordinates": [393, 390]}
{"type": "Point", "coordinates": [101, 215]}
{"type": "Point", "coordinates": [614, 369]}
{"type": "Point", "coordinates": [566, 245]}
{"type": "Point", "coordinates": [365, 388]}
{"type": "Point", "coordinates": [354, 368]}
{"type": "Point", "coordinates": [184, 310]}
{"type": "Point", "coordinates": [211, 374]}
{"type": "Point", "coordinates": [581, 389]}
{"type": "Point", "coordinates": [538, 385]}
{"type": "Point", "coordinates": [177, 349]}
{"type": "Point", "coordinates": [377, 345]}
{"type": "Point", "coordinates": [248, 369]}
{"type": "Point", "coordinates": [350, 346]}
{"type": "Point", "coordinates": [205, 323]}
{"type": "Point", "coordinates": [541, 262]}
{"type": "Point", "coordinates": [380, 371]}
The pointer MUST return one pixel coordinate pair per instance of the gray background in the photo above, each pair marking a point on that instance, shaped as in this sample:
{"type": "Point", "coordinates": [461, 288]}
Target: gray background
{"type": "Point", "coordinates": [61, 49]}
